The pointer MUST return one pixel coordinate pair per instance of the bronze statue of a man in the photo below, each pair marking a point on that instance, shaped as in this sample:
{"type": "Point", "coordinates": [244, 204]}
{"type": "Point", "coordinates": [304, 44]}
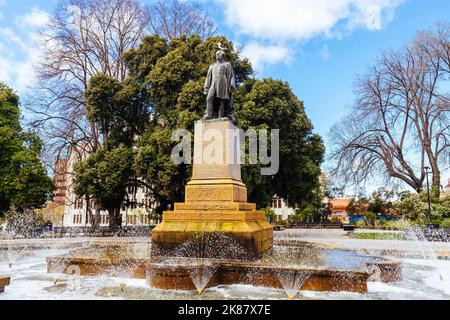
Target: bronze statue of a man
{"type": "Point", "coordinates": [219, 86]}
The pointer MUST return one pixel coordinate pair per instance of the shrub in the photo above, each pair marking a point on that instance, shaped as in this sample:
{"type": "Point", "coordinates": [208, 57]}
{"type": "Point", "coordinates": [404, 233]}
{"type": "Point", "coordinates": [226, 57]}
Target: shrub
{"type": "Point", "coordinates": [381, 224]}
{"type": "Point", "coordinates": [414, 207]}
{"type": "Point", "coordinates": [362, 224]}
{"type": "Point", "coordinates": [401, 224]}
{"type": "Point", "coordinates": [445, 223]}
{"type": "Point", "coordinates": [270, 214]}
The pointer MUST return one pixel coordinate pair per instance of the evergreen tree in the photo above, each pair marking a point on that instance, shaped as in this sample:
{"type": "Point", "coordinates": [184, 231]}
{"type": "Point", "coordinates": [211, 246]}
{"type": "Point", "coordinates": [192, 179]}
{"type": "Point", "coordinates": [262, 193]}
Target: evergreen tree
{"type": "Point", "coordinates": [24, 183]}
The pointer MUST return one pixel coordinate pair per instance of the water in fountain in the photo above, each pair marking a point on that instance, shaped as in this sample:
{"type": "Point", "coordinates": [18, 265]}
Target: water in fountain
{"type": "Point", "coordinates": [428, 253]}
{"type": "Point", "coordinates": [293, 266]}
{"type": "Point", "coordinates": [64, 274]}
{"type": "Point", "coordinates": [201, 254]}
{"type": "Point", "coordinates": [11, 250]}
{"type": "Point", "coordinates": [416, 248]}
{"type": "Point", "coordinates": [123, 260]}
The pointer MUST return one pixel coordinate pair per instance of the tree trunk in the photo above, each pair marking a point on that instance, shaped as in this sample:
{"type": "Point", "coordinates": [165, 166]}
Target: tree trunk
{"type": "Point", "coordinates": [436, 185]}
{"type": "Point", "coordinates": [115, 222]}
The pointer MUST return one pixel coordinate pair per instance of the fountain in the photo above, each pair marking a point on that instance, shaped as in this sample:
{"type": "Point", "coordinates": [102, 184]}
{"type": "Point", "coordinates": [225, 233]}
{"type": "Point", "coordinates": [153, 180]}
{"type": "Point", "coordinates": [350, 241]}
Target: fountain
{"type": "Point", "coordinates": [217, 238]}
{"type": "Point", "coordinates": [216, 204]}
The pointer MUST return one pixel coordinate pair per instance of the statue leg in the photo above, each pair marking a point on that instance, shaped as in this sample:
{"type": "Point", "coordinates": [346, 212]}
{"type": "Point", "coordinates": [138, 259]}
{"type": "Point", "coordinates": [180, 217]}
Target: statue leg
{"type": "Point", "coordinates": [222, 108]}
{"type": "Point", "coordinates": [210, 105]}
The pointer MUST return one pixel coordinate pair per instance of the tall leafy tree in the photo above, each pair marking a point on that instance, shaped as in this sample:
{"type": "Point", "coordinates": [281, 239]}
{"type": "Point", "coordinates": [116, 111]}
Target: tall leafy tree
{"type": "Point", "coordinates": [104, 176]}
{"type": "Point", "coordinates": [120, 112]}
{"type": "Point", "coordinates": [24, 183]}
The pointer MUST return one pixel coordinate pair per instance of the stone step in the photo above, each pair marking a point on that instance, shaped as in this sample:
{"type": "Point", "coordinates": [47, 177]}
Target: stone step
{"type": "Point", "coordinates": [214, 215]}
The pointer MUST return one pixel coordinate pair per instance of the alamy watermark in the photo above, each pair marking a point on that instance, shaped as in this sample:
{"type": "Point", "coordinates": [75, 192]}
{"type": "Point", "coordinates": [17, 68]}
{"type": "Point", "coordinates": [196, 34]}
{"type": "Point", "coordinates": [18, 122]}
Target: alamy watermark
{"type": "Point", "coordinates": [373, 17]}
{"type": "Point", "coordinates": [229, 147]}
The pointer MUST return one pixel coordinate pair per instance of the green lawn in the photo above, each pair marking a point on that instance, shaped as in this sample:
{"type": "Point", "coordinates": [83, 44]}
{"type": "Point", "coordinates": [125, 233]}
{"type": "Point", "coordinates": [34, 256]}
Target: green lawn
{"type": "Point", "coordinates": [378, 236]}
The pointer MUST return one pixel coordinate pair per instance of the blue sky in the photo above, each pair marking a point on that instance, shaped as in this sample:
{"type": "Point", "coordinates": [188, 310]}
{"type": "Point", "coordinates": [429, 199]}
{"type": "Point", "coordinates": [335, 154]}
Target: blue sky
{"type": "Point", "coordinates": [318, 46]}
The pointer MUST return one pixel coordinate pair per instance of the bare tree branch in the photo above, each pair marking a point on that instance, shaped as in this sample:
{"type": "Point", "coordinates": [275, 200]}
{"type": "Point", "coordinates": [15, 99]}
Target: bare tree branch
{"type": "Point", "coordinates": [174, 18]}
{"type": "Point", "coordinates": [83, 38]}
{"type": "Point", "coordinates": [401, 118]}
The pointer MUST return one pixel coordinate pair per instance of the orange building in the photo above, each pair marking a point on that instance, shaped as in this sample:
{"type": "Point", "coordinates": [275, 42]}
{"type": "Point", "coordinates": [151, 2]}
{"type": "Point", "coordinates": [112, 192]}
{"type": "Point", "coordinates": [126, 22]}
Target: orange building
{"type": "Point", "coordinates": [54, 211]}
{"type": "Point", "coordinates": [339, 209]}
{"type": "Point", "coordinates": [60, 181]}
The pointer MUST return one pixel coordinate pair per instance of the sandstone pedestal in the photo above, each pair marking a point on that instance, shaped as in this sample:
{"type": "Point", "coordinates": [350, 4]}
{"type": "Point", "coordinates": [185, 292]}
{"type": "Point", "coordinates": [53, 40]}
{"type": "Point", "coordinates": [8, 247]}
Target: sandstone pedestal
{"type": "Point", "coordinates": [216, 197]}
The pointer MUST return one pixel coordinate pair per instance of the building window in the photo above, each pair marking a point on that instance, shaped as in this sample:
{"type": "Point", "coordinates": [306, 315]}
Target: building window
{"type": "Point", "coordinates": [277, 203]}
{"type": "Point", "coordinates": [79, 204]}
{"type": "Point", "coordinates": [77, 219]}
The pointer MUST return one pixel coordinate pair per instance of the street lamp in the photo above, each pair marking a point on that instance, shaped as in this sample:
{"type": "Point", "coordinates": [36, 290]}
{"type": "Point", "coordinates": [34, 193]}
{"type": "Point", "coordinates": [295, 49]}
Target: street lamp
{"type": "Point", "coordinates": [427, 172]}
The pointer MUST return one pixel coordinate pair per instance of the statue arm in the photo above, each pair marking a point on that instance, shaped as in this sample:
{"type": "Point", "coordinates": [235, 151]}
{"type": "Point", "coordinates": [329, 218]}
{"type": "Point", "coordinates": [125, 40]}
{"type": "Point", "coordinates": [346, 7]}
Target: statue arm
{"type": "Point", "coordinates": [233, 78]}
{"type": "Point", "coordinates": [208, 80]}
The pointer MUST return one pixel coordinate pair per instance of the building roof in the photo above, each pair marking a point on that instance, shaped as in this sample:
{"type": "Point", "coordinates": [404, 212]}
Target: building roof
{"type": "Point", "coordinates": [340, 205]}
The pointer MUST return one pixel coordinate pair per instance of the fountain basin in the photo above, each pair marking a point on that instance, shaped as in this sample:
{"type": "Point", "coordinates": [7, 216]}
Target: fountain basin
{"type": "Point", "coordinates": [168, 277]}
{"type": "Point", "coordinates": [120, 260]}
{"type": "Point", "coordinates": [4, 281]}
{"type": "Point", "coordinates": [340, 270]}
{"type": "Point", "coordinates": [126, 268]}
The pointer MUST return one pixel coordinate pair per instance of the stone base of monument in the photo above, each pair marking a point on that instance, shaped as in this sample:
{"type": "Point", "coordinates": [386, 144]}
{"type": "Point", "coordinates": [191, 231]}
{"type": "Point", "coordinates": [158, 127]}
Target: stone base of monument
{"type": "Point", "coordinates": [4, 281]}
{"type": "Point", "coordinates": [234, 219]}
{"type": "Point", "coordinates": [216, 198]}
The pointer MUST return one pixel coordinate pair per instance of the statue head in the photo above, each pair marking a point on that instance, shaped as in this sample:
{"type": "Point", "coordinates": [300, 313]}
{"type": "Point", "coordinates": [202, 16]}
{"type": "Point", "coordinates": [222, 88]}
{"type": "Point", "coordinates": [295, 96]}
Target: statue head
{"type": "Point", "coordinates": [220, 56]}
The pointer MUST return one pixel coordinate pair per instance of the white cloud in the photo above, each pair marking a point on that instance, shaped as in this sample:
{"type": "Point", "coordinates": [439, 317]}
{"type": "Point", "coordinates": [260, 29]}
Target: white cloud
{"type": "Point", "coordinates": [35, 18]}
{"type": "Point", "coordinates": [9, 36]}
{"type": "Point", "coordinates": [284, 20]}
{"type": "Point", "coordinates": [20, 50]}
{"type": "Point", "coordinates": [4, 70]}
{"type": "Point", "coordinates": [283, 23]}
{"type": "Point", "coordinates": [263, 55]}
{"type": "Point", "coordinates": [18, 74]}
